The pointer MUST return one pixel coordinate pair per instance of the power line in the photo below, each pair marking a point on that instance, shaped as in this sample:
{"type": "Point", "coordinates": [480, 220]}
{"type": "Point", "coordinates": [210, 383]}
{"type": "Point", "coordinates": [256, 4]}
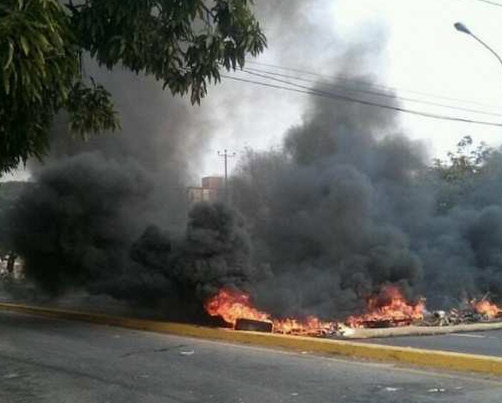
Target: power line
{"type": "Point", "coordinates": [308, 88]}
{"type": "Point", "coordinates": [387, 88]}
{"type": "Point", "coordinates": [490, 2]}
{"type": "Point", "coordinates": [328, 95]}
{"type": "Point", "coordinates": [253, 71]}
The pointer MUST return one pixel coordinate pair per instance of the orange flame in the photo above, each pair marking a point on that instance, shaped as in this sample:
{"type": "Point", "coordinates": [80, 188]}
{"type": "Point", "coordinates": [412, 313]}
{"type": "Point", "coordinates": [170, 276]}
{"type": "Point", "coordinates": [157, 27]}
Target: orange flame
{"type": "Point", "coordinates": [389, 306]}
{"type": "Point", "coordinates": [232, 305]}
{"type": "Point", "coordinates": [486, 308]}
{"type": "Point", "coordinates": [311, 326]}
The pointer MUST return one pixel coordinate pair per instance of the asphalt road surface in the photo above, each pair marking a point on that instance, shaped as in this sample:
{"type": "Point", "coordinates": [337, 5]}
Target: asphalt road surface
{"type": "Point", "coordinates": [50, 361]}
{"type": "Point", "coordinates": [484, 343]}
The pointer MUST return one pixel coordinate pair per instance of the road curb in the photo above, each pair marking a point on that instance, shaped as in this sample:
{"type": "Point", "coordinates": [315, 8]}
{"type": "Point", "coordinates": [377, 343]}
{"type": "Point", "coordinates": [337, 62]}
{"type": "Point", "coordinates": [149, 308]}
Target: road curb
{"type": "Point", "coordinates": [428, 358]}
{"type": "Point", "coordinates": [360, 334]}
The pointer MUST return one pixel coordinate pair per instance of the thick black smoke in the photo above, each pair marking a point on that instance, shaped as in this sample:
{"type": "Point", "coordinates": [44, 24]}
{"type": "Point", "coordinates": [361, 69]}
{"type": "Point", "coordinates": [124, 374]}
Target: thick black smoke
{"type": "Point", "coordinates": [111, 215]}
{"type": "Point", "coordinates": [350, 204]}
{"type": "Point", "coordinates": [178, 274]}
{"type": "Point", "coordinates": [84, 224]}
{"type": "Point", "coordinates": [347, 205]}
{"type": "Point", "coordinates": [75, 225]}
{"type": "Point", "coordinates": [78, 227]}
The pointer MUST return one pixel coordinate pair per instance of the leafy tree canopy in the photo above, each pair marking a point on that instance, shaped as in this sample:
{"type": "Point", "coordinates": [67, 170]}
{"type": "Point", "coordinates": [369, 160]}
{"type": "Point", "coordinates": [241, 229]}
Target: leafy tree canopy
{"type": "Point", "coordinates": [184, 44]}
{"type": "Point", "coordinates": [464, 171]}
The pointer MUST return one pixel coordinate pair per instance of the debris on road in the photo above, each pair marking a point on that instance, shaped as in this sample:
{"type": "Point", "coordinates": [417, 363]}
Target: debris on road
{"type": "Point", "coordinates": [254, 325]}
{"type": "Point", "coordinates": [436, 390]}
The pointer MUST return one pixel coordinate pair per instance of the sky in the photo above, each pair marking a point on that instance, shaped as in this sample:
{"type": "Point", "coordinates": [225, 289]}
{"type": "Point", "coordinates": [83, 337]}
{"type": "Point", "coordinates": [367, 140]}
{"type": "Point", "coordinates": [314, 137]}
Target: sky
{"type": "Point", "coordinates": [417, 50]}
{"type": "Point", "coordinates": [409, 45]}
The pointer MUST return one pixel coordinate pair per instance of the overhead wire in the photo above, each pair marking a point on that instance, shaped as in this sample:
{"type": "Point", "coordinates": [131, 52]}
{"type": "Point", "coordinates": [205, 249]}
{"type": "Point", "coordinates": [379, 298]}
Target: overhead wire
{"type": "Point", "coordinates": [325, 94]}
{"type": "Point", "coordinates": [493, 3]}
{"type": "Point", "coordinates": [369, 92]}
{"type": "Point", "coordinates": [374, 85]}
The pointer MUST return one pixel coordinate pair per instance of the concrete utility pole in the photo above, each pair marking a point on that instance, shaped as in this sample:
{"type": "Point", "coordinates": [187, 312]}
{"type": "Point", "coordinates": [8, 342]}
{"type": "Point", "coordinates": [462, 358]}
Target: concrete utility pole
{"type": "Point", "coordinates": [226, 156]}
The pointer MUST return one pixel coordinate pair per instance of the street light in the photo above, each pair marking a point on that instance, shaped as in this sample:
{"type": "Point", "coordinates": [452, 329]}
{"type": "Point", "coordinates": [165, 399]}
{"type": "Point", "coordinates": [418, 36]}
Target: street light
{"type": "Point", "coordinates": [462, 28]}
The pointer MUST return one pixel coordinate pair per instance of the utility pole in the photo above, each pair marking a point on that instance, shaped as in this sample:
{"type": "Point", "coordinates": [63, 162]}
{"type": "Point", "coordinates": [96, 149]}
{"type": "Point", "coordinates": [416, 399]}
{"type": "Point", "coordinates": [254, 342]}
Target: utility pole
{"type": "Point", "coordinates": [226, 156]}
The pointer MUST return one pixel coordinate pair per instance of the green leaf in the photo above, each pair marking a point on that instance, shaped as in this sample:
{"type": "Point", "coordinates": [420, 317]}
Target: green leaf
{"type": "Point", "coordinates": [6, 83]}
{"type": "Point", "coordinates": [41, 42]}
{"type": "Point", "coordinates": [24, 45]}
{"type": "Point", "coordinates": [9, 56]}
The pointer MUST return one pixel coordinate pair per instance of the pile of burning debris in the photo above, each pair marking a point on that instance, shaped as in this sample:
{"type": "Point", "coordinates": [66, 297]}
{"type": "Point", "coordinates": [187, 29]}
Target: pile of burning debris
{"type": "Point", "coordinates": [235, 309]}
{"type": "Point", "coordinates": [387, 309]}
{"type": "Point", "coordinates": [471, 312]}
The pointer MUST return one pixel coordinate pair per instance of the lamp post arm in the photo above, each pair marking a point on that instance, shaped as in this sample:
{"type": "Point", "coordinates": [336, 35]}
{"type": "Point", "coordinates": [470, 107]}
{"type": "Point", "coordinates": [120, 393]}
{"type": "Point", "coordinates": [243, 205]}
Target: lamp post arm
{"type": "Point", "coordinates": [487, 47]}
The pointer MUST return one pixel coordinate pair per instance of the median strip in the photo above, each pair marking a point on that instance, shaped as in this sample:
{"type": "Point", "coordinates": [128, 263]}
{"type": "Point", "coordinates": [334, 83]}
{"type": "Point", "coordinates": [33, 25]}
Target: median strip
{"type": "Point", "coordinates": [429, 358]}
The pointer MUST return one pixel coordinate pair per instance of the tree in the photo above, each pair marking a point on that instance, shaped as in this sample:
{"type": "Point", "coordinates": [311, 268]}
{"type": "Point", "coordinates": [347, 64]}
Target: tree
{"type": "Point", "coordinates": [184, 44]}
{"type": "Point", "coordinates": [464, 172]}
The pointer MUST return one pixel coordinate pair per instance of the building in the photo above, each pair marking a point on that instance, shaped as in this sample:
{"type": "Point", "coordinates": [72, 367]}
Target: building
{"type": "Point", "coordinates": [212, 190]}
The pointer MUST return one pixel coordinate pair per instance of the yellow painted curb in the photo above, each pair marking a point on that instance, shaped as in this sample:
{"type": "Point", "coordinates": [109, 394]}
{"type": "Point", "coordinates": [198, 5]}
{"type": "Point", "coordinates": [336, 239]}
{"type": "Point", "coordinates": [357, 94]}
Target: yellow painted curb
{"type": "Point", "coordinates": [429, 358]}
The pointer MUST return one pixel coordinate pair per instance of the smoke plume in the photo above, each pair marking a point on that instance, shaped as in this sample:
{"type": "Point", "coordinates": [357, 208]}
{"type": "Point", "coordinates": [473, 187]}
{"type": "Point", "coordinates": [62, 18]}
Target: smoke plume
{"type": "Point", "coordinates": [349, 205]}
{"type": "Point", "coordinates": [346, 205]}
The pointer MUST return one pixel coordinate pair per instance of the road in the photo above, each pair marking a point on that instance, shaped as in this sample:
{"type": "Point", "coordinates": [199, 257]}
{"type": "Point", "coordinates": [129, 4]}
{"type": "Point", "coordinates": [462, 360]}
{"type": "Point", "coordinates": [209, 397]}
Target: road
{"type": "Point", "coordinates": [484, 343]}
{"type": "Point", "coordinates": [50, 361]}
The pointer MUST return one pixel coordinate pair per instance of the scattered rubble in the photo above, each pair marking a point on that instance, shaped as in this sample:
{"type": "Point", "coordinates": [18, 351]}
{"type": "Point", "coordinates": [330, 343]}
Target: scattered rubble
{"type": "Point", "coordinates": [457, 316]}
